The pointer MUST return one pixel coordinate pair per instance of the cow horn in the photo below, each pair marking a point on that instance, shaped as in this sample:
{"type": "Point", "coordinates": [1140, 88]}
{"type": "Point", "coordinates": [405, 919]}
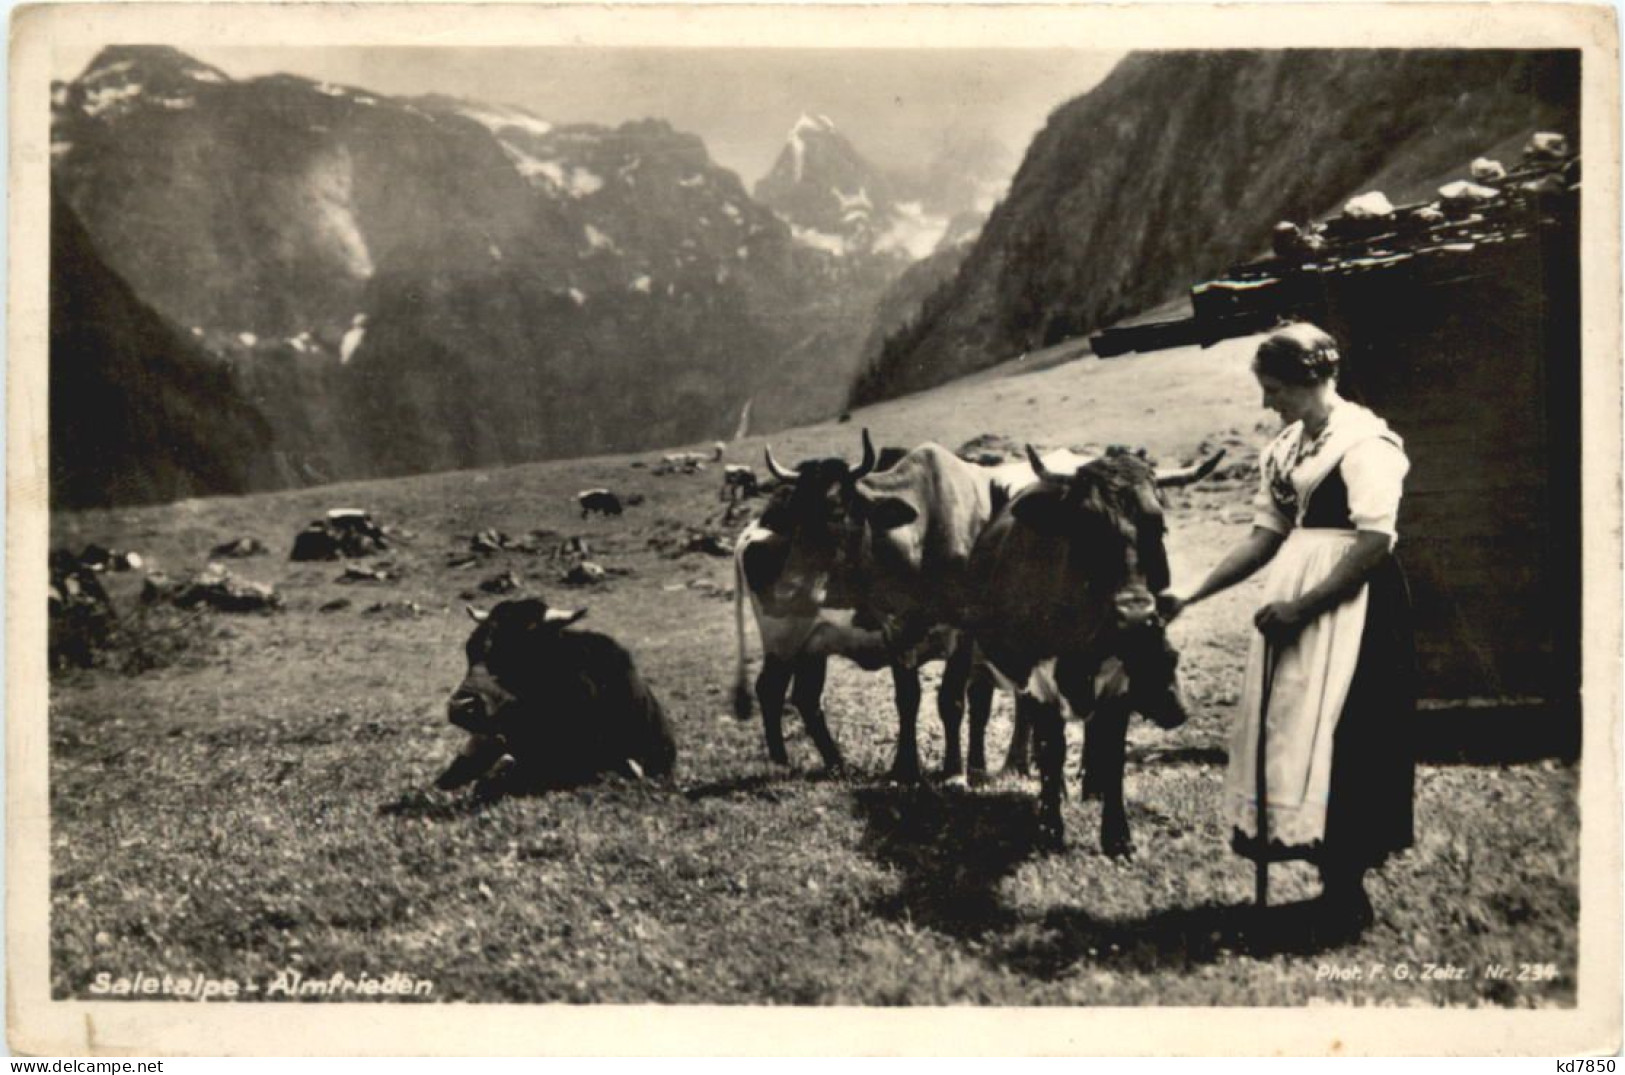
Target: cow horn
{"type": "Point", "coordinates": [562, 617]}
{"type": "Point", "coordinates": [868, 463]}
{"type": "Point", "coordinates": [774, 469]}
{"type": "Point", "coordinates": [1038, 465]}
{"type": "Point", "coordinates": [475, 614]}
{"type": "Point", "coordinates": [1187, 475]}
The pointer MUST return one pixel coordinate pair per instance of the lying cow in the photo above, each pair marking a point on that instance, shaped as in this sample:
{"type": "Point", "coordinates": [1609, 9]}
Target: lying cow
{"type": "Point", "coordinates": [565, 705]}
{"type": "Point", "coordinates": [1062, 582]}
{"type": "Point", "coordinates": [602, 501]}
{"type": "Point", "coordinates": [738, 483]}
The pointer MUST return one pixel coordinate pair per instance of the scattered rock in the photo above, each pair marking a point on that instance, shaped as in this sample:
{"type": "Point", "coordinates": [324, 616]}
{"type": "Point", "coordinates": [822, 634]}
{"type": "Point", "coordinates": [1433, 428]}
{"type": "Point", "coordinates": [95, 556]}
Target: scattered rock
{"type": "Point", "coordinates": [586, 573]}
{"type": "Point", "coordinates": [99, 558]}
{"type": "Point", "coordinates": [344, 533]}
{"type": "Point", "coordinates": [507, 582]}
{"type": "Point", "coordinates": [241, 548]}
{"type": "Point", "coordinates": [217, 588]}
{"type": "Point", "coordinates": [394, 609]}
{"type": "Point", "coordinates": [990, 449]}
{"type": "Point", "coordinates": [338, 604]}
{"type": "Point", "coordinates": [369, 573]}
{"type": "Point", "coordinates": [488, 541]}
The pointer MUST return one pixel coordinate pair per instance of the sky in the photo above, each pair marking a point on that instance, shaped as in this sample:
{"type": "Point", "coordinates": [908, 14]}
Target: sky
{"type": "Point", "coordinates": [896, 105]}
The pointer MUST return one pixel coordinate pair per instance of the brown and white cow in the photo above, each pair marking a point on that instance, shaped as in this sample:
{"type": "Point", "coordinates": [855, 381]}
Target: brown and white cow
{"type": "Point", "coordinates": [799, 637]}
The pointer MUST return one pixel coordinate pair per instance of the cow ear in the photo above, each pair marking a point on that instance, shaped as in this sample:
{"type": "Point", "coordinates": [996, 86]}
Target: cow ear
{"type": "Point", "coordinates": [1044, 511]}
{"type": "Point", "coordinates": [889, 513]}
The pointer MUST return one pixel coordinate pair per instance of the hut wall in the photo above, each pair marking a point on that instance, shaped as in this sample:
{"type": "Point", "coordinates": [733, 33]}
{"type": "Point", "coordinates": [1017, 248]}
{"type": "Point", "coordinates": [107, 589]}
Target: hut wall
{"type": "Point", "coordinates": [1474, 359]}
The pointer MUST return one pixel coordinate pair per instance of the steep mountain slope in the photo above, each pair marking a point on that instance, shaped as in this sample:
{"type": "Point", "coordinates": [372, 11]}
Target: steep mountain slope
{"type": "Point", "coordinates": [1179, 163]}
{"type": "Point", "coordinates": [407, 285]}
{"type": "Point", "coordinates": [139, 412]}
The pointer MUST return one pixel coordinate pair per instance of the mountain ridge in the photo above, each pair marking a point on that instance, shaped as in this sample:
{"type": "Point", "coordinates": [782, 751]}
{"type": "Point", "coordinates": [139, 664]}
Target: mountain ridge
{"type": "Point", "coordinates": [1179, 163]}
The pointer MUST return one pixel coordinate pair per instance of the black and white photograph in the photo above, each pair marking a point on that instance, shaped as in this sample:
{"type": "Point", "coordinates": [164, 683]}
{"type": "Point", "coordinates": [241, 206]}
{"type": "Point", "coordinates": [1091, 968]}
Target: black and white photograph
{"type": "Point", "coordinates": [1003, 520]}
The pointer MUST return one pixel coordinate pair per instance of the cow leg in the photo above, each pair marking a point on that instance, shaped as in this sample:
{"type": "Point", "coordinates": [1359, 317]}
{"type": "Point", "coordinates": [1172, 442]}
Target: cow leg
{"type": "Point", "coordinates": [808, 696]}
{"type": "Point", "coordinates": [951, 708]}
{"type": "Point", "coordinates": [979, 699]}
{"type": "Point", "coordinates": [1104, 746]}
{"type": "Point", "coordinates": [1049, 735]}
{"type": "Point", "coordinates": [771, 686]}
{"type": "Point", "coordinates": [477, 757]}
{"type": "Point", "coordinates": [905, 768]}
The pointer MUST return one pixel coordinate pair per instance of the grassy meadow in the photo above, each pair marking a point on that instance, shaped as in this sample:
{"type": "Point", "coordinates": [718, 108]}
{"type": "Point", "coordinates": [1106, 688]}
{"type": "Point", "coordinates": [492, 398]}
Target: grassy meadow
{"type": "Point", "coordinates": [262, 801]}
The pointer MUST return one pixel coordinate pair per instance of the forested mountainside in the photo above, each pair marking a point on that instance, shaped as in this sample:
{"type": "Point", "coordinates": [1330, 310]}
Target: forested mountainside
{"type": "Point", "coordinates": [1180, 163]}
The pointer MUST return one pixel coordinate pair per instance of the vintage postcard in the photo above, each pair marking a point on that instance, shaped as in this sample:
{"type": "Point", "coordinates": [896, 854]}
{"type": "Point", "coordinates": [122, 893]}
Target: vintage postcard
{"type": "Point", "coordinates": [798, 529]}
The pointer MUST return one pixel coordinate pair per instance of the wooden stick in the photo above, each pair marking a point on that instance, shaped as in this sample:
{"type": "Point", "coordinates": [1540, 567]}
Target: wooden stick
{"type": "Point", "coordinates": [1261, 782]}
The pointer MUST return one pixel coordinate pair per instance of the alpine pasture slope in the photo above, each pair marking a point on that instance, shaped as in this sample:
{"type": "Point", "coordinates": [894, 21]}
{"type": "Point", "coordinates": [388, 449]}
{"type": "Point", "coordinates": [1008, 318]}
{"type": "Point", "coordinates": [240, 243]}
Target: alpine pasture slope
{"type": "Point", "coordinates": [265, 803]}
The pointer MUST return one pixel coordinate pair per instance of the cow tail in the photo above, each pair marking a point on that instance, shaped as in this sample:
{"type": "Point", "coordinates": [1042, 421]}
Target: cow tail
{"type": "Point", "coordinates": [741, 687]}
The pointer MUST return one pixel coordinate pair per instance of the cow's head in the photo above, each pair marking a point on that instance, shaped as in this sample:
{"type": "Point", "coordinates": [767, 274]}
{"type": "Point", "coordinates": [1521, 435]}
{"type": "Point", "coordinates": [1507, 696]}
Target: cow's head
{"type": "Point", "coordinates": [822, 512]}
{"type": "Point", "coordinates": [1107, 518]}
{"type": "Point", "coordinates": [505, 649]}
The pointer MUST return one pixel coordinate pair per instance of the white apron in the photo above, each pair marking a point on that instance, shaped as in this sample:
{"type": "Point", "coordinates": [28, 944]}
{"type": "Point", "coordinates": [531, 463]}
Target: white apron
{"type": "Point", "coordinates": [1312, 672]}
{"type": "Point", "coordinates": [1310, 683]}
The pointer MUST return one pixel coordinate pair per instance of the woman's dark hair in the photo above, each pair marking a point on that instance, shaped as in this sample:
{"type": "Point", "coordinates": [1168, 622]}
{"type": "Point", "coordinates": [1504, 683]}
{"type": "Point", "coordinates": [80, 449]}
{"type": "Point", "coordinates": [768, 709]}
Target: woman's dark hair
{"type": "Point", "coordinates": [1298, 354]}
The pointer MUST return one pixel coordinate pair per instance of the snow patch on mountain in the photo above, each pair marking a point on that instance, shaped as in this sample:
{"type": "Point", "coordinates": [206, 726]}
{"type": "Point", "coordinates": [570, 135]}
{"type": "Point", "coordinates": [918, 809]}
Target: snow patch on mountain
{"type": "Point", "coordinates": [575, 180]}
{"type": "Point", "coordinates": [643, 284]}
{"type": "Point", "coordinates": [597, 240]}
{"type": "Point", "coordinates": [111, 69]}
{"type": "Point", "coordinates": [100, 99]}
{"type": "Point", "coordinates": [499, 118]}
{"type": "Point", "coordinates": [583, 182]}
{"type": "Point", "coordinates": [913, 231]}
{"type": "Point", "coordinates": [853, 205]}
{"type": "Point", "coordinates": [819, 240]}
{"type": "Point", "coordinates": [806, 125]}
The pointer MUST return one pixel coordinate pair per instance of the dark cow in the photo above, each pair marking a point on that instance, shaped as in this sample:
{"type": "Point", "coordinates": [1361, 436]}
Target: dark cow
{"type": "Point", "coordinates": [738, 483]}
{"type": "Point", "coordinates": [565, 705]}
{"type": "Point", "coordinates": [1063, 581]}
{"type": "Point", "coordinates": [602, 501]}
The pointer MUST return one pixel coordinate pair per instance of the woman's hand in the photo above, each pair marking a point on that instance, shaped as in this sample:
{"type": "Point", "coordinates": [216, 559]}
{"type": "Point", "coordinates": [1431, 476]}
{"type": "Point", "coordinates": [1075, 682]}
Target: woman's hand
{"type": "Point", "coordinates": [1280, 620]}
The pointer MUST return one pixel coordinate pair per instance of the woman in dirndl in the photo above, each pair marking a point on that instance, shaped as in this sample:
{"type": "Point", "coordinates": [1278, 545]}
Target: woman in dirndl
{"type": "Point", "coordinates": [1333, 657]}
